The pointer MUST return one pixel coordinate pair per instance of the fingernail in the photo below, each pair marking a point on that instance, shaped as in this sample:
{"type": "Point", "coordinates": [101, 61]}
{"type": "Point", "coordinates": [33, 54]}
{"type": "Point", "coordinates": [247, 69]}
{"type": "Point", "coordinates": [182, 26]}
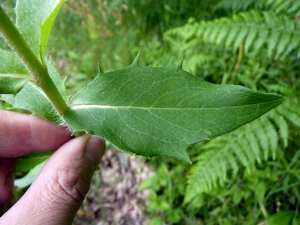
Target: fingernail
{"type": "Point", "coordinates": [9, 181]}
{"type": "Point", "coordinates": [95, 149]}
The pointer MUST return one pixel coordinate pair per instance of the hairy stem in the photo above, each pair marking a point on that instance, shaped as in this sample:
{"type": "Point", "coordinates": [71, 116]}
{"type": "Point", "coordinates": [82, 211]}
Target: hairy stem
{"type": "Point", "coordinates": [37, 69]}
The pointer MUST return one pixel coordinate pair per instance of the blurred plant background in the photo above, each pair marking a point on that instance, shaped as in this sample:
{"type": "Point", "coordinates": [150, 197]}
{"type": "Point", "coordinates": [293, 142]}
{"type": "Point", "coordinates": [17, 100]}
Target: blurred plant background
{"type": "Point", "coordinates": [250, 176]}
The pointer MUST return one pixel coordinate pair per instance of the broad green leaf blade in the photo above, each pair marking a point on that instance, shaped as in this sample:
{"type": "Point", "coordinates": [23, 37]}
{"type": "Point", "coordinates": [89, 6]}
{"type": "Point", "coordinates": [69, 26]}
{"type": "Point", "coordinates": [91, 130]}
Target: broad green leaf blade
{"type": "Point", "coordinates": [35, 19]}
{"type": "Point", "coordinates": [57, 80]}
{"type": "Point", "coordinates": [154, 111]}
{"type": "Point", "coordinates": [32, 98]}
{"type": "Point", "coordinates": [13, 74]}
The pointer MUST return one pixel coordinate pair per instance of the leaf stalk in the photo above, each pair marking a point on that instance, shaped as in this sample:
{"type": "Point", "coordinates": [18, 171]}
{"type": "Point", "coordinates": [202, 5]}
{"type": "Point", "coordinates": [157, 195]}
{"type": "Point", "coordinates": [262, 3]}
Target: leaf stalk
{"type": "Point", "coordinates": [36, 68]}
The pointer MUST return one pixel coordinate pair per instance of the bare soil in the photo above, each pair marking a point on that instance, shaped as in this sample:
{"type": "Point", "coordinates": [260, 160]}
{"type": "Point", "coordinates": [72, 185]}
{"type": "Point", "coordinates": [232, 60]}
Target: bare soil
{"type": "Point", "coordinates": [114, 198]}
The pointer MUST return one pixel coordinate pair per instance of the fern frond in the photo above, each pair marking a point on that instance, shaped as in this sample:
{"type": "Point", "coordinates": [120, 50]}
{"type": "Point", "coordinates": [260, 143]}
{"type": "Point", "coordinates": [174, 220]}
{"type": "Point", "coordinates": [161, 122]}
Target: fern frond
{"type": "Point", "coordinates": [182, 43]}
{"type": "Point", "coordinates": [288, 109]}
{"type": "Point", "coordinates": [290, 7]}
{"type": "Point", "coordinates": [254, 144]}
{"type": "Point", "coordinates": [254, 29]}
{"type": "Point", "coordinates": [236, 5]}
{"type": "Point", "coordinates": [262, 137]}
{"type": "Point", "coordinates": [273, 138]}
{"type": "Point", "coordinates": [213, 175]}
{"type": "Point", "coordinates": [292, 115]}
{"type": "Point", "coordinates": [192, 63]}
{"type": "Point", "coordinates": [281, 122]}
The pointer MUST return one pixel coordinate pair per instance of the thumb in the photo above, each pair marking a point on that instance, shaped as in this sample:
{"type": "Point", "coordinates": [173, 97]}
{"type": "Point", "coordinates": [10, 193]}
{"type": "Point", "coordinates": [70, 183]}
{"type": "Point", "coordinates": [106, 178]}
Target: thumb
{"type": "Point", "coordinates": [59, 190]}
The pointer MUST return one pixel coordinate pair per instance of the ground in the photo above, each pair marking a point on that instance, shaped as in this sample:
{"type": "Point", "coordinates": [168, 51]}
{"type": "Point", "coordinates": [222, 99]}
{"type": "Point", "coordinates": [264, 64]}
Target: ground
{"type": "Point", "coordinates": [114, 197]}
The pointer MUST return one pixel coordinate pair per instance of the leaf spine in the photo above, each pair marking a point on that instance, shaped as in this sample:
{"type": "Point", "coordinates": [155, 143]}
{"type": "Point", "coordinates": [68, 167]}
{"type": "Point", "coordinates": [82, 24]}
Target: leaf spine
{"type": "Point", "coordinates": [136, 60]}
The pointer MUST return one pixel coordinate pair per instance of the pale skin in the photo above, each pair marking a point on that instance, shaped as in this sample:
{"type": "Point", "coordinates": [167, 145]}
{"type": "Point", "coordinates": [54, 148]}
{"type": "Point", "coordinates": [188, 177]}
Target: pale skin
{"type": "Point", "coordinates": [59, 190]}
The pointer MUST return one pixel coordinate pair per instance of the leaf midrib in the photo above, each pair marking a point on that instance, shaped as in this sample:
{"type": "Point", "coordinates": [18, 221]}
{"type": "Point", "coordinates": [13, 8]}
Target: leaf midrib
{"type": "Point", "coordinates": [79, 107]}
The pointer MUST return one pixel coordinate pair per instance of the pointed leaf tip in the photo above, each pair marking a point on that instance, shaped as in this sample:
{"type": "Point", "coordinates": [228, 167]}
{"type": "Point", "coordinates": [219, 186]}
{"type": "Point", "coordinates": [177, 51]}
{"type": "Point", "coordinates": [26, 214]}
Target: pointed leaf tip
{"type": "Point", "coordinates": [136, 60]}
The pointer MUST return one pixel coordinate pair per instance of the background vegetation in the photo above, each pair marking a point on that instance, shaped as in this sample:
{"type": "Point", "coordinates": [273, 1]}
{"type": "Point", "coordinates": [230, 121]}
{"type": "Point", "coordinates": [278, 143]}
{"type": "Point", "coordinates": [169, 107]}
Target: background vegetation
{"type": "Point", "coordinates": [250, 176]}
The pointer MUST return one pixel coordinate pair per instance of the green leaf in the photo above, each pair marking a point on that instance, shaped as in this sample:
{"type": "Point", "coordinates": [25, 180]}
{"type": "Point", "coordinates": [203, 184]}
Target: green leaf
{"type": "Point", "coordinates": [162, 111]}
{"type": "Point", "coordinates": [13, 74]}
{"type": "Point", "coordinates": [29, 161]}
{"type": "Point", "coordinates": [46, 26]}
{"type": "Point", "coordinates": [35, 19]}
{"type": "Point", "coordinates": [57, 80]}
{"type": "Point", "coordinates": [32, 98]}
{"type": "Point", "coordinates": [29, 177]}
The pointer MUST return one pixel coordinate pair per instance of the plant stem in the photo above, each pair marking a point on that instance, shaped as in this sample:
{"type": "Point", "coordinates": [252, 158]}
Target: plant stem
{"type": "Point", "coordinates": [37, 69]}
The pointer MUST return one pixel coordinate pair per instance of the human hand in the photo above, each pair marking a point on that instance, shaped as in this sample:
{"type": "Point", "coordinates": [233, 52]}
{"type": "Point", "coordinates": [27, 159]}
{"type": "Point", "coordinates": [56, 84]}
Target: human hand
{"type": "Point", "coordinates": [59, 190]}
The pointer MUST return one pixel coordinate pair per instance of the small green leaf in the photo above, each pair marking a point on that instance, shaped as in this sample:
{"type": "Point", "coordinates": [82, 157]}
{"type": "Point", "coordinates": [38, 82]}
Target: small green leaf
{"type": "Point", "coordinates": [29, 177]}
{"type": "Point", "coordinates": [13, 74]}
{"type": "Point", "coordinates": [162, 111]}
{"type": "Point", "coordinates": [29, 161]}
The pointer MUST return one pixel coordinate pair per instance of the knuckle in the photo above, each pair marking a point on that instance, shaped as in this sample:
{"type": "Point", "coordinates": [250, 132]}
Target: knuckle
{"type": "Point", "coordinates": [70, 185]}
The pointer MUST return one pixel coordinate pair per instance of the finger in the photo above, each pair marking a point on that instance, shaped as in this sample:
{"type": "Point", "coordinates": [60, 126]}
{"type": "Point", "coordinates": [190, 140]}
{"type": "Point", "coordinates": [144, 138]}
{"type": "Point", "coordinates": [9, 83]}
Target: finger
{"type": "Point", "coordinates": [7, 168]}
{"type": "Point", "coordinates": [59, 190]}
{"type": "Point", "coordinates": [21, 134]}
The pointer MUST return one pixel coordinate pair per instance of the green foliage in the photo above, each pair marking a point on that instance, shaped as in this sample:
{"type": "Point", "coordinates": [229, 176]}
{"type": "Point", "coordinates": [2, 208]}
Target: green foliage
{"type": "Point", "coordinates": [162, 121]}
{"type": "Point", "coordinates": [35, 23]}
{"type": "Point", "coordinates": [250, 144]}
{"type": "Point", "coordinates": [236, 5]}
{"type": "Point", "coordinates": [235, 179]}
{"type": "Point", "coordinates": [31, 160]}
{"type": "Point", "coordinates": [167, 108]}
{"type": "Point", "coordinates": [252, 29]}
{"type": "Point", "coordinates": [28, 44]}
{"type": "Point", "coordinates": [169, 182]}
{"type": "Point", "coordinates": [277, 6]}
{"type": "Point", "coordinates": [26, 180]}
{"type": "Point", "coordinates": [163, 14]}
{"type": "Point", "coordinates": [244, 199]}
{"type": "Point", "coordinates": [281, 218]}
{"type": "Point", "coordinates": [11, 80]}
{"type": "Point", "coordinates": [234, 173]}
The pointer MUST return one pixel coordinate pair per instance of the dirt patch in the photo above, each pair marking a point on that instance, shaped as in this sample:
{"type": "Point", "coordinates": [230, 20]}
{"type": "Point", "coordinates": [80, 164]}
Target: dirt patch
{"type": "Point", "coordinates": [113, 197]}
